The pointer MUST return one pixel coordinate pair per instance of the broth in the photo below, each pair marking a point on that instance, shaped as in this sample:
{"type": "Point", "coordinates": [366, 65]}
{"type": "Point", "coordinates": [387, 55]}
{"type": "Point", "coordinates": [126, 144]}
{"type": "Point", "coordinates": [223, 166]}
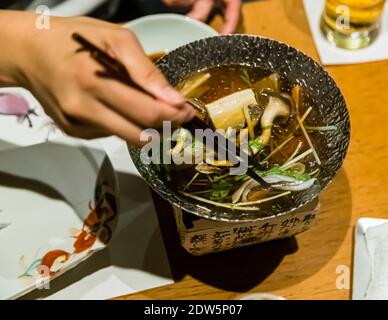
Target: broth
{"type": "Point", "coordinates": [156, 56]}
{"type": "Point", "coordinates": [245, 99]}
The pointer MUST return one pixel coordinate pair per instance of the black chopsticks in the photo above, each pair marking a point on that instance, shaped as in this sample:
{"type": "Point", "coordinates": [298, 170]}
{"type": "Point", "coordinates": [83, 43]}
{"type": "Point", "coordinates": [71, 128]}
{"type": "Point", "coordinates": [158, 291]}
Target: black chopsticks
{"type": "Point", "coordinates": [116, 70]}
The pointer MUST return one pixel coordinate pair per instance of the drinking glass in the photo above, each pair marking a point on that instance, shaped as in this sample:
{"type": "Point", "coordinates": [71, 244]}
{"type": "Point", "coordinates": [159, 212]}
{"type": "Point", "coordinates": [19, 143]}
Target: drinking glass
{"type": "Point", "coordinates": [352, 24]}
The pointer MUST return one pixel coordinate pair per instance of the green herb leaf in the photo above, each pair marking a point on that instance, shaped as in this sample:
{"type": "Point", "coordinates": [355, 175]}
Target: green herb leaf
{"type": "Point", "coordinates": [244, 75]}
{"type": "Point", "coordinates": [256, 145]}
{"type": "Point", "coordinates": [240, 177]}
{"type": "Point", "coordinates": [221, 189]}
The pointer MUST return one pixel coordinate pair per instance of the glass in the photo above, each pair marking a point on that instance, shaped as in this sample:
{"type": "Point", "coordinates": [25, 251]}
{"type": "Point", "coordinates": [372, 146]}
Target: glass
{"type": "Point", "coordinates": [352, 24]}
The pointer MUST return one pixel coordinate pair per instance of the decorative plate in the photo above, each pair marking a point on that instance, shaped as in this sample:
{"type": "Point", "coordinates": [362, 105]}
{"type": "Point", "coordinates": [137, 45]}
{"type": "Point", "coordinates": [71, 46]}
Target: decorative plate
{"type": "Point", "coordinates": [58, 199]}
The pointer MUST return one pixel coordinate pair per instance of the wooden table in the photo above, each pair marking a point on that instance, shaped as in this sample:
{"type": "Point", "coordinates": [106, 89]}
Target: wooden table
{"type": "Point", "coordinates": [318, 263]}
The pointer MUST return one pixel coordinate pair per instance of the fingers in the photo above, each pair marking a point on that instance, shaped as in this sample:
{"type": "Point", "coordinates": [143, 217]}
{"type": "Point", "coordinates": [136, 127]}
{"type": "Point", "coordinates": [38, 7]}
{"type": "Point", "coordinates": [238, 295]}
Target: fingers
{"type": "Point", "coordinates": [143, 71]}
{"type": "Point", "coordinates": [113, 108]}
{"type": "Point", "coordinates": [231, 16]}
{"type": "Point", "coordinates": [140, 108]}
{"type": "Point", "coordinates": [201, 9]}
{"type": "Point", "coordinates": [115, 124]}
{"type": "Point", "coordinates": [108, 107]}
{"type": "Point", "coordinates": [178, 3]}
{"type": "Point", "coordinates": [92, 119]}
{"type": "Point", "coordinates": [76, 129]}
{"type": "Point", "coordinates": [86, 132]}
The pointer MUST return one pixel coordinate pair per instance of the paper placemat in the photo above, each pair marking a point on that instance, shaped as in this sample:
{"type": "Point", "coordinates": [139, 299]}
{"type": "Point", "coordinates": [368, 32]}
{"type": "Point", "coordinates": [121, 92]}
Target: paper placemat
{"type": "Point", "coordinates": [331, 55]}
{"type": "Point", "coordinates": [370, 281]}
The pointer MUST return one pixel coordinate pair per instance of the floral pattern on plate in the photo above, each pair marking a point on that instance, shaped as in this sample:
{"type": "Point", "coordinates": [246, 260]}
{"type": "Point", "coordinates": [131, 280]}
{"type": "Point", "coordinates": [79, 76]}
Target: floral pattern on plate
{"type": "Point", "coordinates": [49, 223]}
{"type": "Point", "coordinates": [95, 228]}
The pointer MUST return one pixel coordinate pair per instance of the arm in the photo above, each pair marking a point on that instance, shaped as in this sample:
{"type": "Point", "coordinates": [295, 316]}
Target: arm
{"type": "Point", "coordinates": [82, 104]}
{"type": "Point", "coordinates": [11, 37]}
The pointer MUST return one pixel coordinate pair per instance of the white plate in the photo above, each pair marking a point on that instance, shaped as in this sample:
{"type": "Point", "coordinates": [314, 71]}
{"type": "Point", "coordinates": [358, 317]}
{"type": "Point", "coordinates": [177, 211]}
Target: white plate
{"type": "Point", "coordinates": [166, 32]}
{"type": "Point", "coordinates": [59, 200]}
{"type": "Point", "coordinates": [362, 264]}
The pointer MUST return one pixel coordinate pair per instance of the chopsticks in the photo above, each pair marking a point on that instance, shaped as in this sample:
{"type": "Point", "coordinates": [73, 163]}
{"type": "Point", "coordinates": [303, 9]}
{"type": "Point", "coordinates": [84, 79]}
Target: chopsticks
{"type": "Point", "coordinates": [116, 70]}
{"type": "Point", "coordinates": [224, 145]}
{"type": "Point", "coordinates": [113, 67]}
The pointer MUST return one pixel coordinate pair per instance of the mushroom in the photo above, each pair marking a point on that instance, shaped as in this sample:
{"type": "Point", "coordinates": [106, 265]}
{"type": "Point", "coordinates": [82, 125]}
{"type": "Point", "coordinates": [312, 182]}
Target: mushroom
{"type": "Point", "coordinates": [276, 108]}
{"type": "Point", "coordinates": [206, 169]}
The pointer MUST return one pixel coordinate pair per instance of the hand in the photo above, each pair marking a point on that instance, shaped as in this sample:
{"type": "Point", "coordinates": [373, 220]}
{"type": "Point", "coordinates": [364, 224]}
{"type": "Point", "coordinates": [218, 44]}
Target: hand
{"type": "Point", "coordinates": [201, 9]}
{"type": "Point", "coordinates": [65, 82]}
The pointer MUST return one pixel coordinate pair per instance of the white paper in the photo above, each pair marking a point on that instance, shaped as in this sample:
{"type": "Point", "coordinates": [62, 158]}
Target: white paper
{"type": "Point", "coordinates": [370, 276]}
{"type": "Point", "coordinates": [377, 244]}
{"type": "Point", "coordinates": [331, 55]}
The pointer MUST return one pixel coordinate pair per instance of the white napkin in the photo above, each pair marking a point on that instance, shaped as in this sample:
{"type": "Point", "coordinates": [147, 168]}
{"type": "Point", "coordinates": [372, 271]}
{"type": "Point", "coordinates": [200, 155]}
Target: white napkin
{"type": "Point", "coordinates": [331, 55]}
{"type": "Point", "coordinates": [377, 247]}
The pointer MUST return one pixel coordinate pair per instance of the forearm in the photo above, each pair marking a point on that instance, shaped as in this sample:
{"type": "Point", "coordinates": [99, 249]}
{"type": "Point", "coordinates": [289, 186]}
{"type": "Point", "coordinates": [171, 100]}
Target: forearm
{"type": "Point", "coordinates": [16, 30]}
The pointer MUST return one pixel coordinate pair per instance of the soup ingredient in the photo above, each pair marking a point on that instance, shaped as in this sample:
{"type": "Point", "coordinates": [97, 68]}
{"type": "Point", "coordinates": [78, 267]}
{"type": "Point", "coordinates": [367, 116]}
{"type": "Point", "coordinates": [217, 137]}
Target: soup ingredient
{"type": "Point", "coordinates": [206, 169]}
{"type": "Point", "coordinates": [281, 129]}
{"type": "Point", "coordinates": [271, 82]}
{"type": "Point", "coordinates": [228, 111]}
{"type": "Point", "coordinates": [276, 108]}
{"type": "Point", "coordinates": [181, 142]}
{"type": "Point", "coordinates": [189, 87]}
{"type": "Point", "coordinates": [199, 107]}
{"type": "Point", "coordinates": [296, 96]}
{"type": "Point", "coordinates": [243, 206]}
{"type": "Point", "coordinates": [309, 141]}
{"type": "Point", "coordinates": [252, 114]}
{"type": "Point", "coordinates": [322, 129]}
{"type": "Point", "coordinates": [246, 187]}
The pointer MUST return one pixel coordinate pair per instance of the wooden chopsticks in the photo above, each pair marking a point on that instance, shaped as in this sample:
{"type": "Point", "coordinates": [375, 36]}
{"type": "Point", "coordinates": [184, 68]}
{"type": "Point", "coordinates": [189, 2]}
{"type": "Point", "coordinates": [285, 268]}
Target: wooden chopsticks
{"type": "Point", "coordinates": [116, 70]}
